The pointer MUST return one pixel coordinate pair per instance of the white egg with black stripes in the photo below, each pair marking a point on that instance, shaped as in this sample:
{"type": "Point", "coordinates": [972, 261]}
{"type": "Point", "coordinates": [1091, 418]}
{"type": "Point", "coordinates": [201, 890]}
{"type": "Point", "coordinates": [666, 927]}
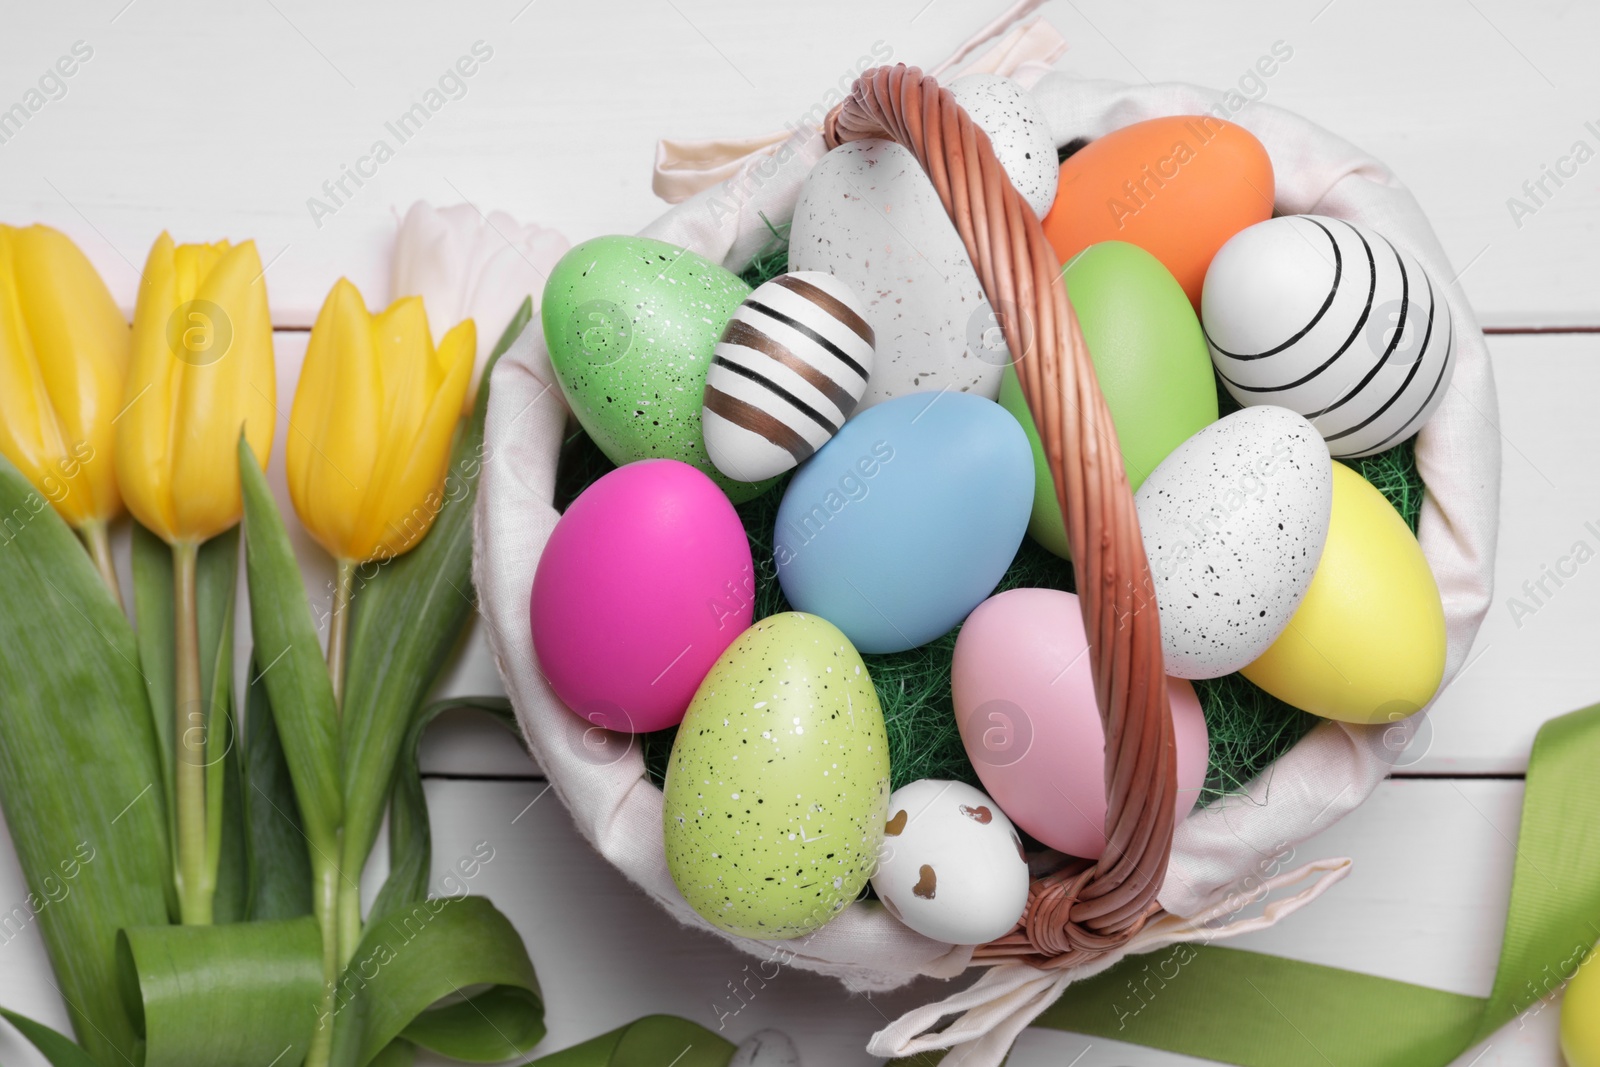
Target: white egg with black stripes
{"type": "Point", "coordinates": [1332, 320]}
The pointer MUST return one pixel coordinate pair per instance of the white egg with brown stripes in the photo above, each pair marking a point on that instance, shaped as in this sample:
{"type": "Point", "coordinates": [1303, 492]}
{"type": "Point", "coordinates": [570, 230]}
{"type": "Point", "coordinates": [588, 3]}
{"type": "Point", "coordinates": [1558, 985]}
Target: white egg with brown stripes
{"type": "Point", "coordinates": [951, 866]}
{"type": "Point", "coordinates": [789, 369]}
{"type": "Point", "coordinates": [1334, 321]}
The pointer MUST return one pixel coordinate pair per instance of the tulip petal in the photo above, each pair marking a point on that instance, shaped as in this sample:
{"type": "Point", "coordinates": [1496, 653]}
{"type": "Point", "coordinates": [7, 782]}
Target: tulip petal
{"type": "Point", "coordinates": [81, 341]}
{"type": "Point", "coordinates": [333, 440]}
{"type": "Point", "coordinates": [410, 380]}
{"type": "Point", "coordinates": [29, 436]}
{"type": "Point", "coordinates": [422, 478]}
{"type": "Point", "coordinates": [226, 343]}
{"type": "Point", "coordinates": [143, 446]}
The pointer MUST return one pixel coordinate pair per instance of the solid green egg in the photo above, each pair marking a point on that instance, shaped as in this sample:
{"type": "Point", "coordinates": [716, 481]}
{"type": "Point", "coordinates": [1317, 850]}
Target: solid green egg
{"type": "Point", "coordinates": [1151, 360]}
{"type": "Point", "coordinates": [778, 783]}
{"type": "Point", "coordinates": [632, 324]}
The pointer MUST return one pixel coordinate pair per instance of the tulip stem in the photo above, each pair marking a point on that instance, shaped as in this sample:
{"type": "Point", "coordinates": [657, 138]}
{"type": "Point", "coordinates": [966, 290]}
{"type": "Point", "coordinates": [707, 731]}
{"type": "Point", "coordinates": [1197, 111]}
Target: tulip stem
{"type": "Point", "coordinates": [99, 542]}
{"type": "Point", "coordinates": [326, 890]}
{"type": "Point", "coordinates": [339, 626]}
{"type": "Point", "coordinates": [347, 907]}
{"type": "Point", "coordinates": [349, 922]}
{"type": "Point", "coordinates": [196, 883]}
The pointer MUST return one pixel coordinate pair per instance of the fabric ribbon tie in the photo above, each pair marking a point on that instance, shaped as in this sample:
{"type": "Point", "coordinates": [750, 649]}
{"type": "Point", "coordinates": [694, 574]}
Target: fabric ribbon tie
{"type": "Point", "coordinates": [684, 168]}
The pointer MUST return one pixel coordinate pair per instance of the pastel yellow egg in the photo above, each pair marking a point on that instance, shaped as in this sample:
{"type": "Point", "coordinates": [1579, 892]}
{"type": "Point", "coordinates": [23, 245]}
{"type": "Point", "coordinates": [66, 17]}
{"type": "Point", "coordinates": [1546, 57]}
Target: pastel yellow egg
{"type": "Point", "coordinates": [1367, 643]}
{"type": "Point", "coordinates": [1580, 1016]}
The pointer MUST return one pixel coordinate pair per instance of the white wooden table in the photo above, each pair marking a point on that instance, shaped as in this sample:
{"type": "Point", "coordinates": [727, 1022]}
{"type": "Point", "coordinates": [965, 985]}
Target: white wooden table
{"type": "Point", "coordinates": [216, 122]}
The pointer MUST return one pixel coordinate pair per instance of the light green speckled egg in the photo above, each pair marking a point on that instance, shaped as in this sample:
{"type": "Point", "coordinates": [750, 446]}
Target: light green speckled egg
{"type": "Point", "coordinates": [779, 781]}
{"type": "Point", "coordinates": [631, 325]}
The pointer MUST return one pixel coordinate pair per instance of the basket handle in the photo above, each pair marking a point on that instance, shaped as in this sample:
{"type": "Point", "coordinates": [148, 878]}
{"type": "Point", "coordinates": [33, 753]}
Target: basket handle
{"type": "Point", "coordinates": [1086, 909]}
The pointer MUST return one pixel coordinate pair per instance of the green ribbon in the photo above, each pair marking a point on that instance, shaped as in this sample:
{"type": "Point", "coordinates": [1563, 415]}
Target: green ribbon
{"type": "Point", "coordinates": [224, 994]}
{"type": "Point", "coordinates": [648, 1042]}
{"type": "Point", "coordinates": [1254, 1010]}
{"type": "Point", "coordinates": [446, 947]}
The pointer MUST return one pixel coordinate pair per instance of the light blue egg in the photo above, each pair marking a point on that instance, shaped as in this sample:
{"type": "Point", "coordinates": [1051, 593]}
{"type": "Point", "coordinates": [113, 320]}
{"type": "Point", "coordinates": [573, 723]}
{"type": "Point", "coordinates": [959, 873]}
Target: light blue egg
{"type": "Point", "coordinates": [906, 520]}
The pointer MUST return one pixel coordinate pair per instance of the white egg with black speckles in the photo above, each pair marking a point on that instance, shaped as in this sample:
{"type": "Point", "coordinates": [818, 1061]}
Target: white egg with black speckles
{"type": "Point", "coordinates": [1234, 521]}
{"type": "Point", "coordinates": [952, 866]}
{"type": "Point", "coordinates": [773, 808]}
{"type": "Point", "coordinates": [868, 215]}
{"type": "Point", "coordinates": [1019, 132]}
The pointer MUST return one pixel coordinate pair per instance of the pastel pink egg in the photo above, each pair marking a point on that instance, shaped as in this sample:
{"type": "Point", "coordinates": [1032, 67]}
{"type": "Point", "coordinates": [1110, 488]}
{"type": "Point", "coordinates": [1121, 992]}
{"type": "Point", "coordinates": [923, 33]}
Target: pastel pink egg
{"type": "Point", "coordinates": [645, 581]}
{"type": "Point", "coordinates": [1024, 702]}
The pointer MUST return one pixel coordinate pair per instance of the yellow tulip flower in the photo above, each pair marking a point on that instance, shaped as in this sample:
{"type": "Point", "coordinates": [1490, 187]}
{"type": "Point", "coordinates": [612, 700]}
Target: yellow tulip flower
{"type": "Point", "coordinates": [63, 359]}
{"type": "Point", "coordinates": [201, 370]}
{"type": "Point", "coordinates": [373, 418]}
{"type": "Point", "coordinates": [201, 374]}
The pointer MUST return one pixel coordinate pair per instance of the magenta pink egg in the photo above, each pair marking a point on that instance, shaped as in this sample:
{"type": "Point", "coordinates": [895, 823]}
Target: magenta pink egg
{"type": "Point", "coordinates": [644, 582]}
{"type": "Point", "coordinates": [1024, 701]}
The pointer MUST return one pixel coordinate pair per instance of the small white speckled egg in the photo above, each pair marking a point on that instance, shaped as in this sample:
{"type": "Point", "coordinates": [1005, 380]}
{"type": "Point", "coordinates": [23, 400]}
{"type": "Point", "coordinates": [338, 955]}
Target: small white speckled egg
{"type": "Point", "coordinates": [1234, 521]}
{"type": "Point", "coordinates": [951, 866]}
{"type": "Point", "coordinates": [1019, 132]}
{"type": "Point", "coordinates": [1335, 321]}
{"type": "Point", "coordinates": [868, 215]}
{"type": "Point", "coordinates": [787, 372]}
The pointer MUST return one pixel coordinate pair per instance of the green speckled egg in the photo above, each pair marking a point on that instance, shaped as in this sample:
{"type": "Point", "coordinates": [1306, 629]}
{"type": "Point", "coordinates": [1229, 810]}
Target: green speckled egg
{"type": "Point", "coordinates": [631, 325]}
{"type": "Point", "coordinates": [779, 781]}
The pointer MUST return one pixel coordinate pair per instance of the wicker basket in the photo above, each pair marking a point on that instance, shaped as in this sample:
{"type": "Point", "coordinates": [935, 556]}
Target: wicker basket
{"type": "Point", "coordinates": [1080, 917]}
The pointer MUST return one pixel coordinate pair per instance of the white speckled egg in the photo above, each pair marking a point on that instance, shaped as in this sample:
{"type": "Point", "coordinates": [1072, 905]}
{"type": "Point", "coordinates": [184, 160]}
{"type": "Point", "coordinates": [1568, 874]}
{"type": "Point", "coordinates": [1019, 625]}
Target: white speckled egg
{"type": "Point", "coordinates": [870, 217]}
{"type": "Point", "coordinates": [788, 370]}
{"type": "Point", "coordinates": [1019, 132]}
{"type": "Point", "coordinates": [1234, 522]}
{"type": "Point", "coordinates": [951, 866]}
{"type": "Point", "coordinates": [1332, 320]}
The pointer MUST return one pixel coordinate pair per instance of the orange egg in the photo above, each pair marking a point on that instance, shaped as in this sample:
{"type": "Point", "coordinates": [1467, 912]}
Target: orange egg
{"type": "Point", "coordinates": [1177, 187]}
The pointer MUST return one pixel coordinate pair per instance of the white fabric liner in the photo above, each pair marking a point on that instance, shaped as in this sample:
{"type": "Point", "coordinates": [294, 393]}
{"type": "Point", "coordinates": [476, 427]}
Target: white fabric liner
{"type": "Point", "coordinates": [1219, 850]}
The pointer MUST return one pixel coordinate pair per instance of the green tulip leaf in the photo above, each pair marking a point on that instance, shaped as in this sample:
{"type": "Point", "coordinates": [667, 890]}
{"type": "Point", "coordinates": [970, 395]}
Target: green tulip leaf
{"type": "Point", "coordinates": [237, 994]}
{"type": "Point", "coordinates": [152, 609]}
{"type": "Point", "coordinates": [80, 765]}
{"type": "Point", "coordinates": [420, 974]}
{"type": "Point", "coordinates": [56, 1047]}
{"type": "Point", "coordinates": [279, 865]}
{"type": "Point", "coordinates": [216, 583]}
{"type": "Point", "coordinates": [489, 1027]}
{"type": "Point", "coordinates": [408, 615]}
{"type": "Point", "coordinates": [647, 1042]}
{"type": "Point", "coordinates": [290, 655]}
{"type": "Point", "coordinates": [397, 1053]}
{"type": "Point", "coordinates": [227, 841]}
{"type": "Point", "coordinates": [410, 841]}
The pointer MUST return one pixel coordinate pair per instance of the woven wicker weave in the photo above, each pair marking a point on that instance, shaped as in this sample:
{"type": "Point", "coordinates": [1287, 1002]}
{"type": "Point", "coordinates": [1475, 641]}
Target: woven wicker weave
{"type": "Point", "coordinates": [1085, 909]}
